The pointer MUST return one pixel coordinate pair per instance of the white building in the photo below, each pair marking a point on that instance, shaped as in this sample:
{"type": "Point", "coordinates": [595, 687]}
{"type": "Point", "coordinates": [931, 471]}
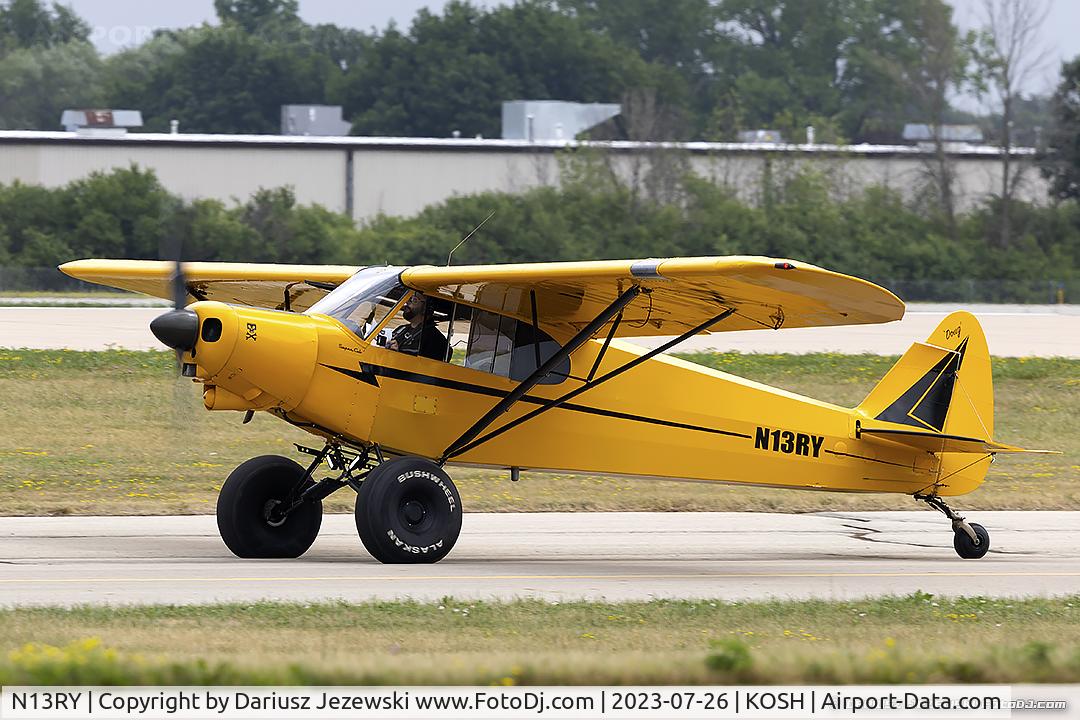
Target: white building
{"type": "Point", "coordinates": [366, 176]}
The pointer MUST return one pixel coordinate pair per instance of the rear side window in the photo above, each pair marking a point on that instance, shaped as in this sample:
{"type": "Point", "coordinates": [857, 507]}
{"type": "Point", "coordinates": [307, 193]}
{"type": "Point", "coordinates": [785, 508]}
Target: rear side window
{"type": "Point", "coordinates": [507, 347]}
{"type": "Point", "coordinates": [531, 343]}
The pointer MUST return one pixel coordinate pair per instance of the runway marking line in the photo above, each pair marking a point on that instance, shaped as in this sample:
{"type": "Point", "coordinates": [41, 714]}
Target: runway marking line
{"type": "Point", "coordinates": [637, 576]}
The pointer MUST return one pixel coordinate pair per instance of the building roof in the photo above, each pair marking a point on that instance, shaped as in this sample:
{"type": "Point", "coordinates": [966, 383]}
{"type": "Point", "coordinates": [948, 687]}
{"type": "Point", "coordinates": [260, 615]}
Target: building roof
{"type": "Point", "coordinates": [482, 145]}
{"type": "Point", "coordinates": [949, 133]}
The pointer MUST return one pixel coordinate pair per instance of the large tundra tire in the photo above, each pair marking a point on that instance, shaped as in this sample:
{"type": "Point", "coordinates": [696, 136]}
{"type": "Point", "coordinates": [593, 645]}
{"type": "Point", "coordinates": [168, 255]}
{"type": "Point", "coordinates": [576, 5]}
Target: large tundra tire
{"type": "Point", "coordinates": [244, 508]}
{"type": "Point", "coordinates": [408, 511]}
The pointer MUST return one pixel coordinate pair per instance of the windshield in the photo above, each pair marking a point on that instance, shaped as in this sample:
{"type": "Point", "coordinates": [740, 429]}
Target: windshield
{"type": "Point", "coordinates": [362, 301]}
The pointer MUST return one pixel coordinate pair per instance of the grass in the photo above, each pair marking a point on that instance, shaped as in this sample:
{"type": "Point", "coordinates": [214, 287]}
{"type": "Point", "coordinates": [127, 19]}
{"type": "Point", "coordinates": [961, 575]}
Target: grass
{"type": "Point", "coordinates": [912, 639]}
{"type": "Point", "coordinates": [116, 432]}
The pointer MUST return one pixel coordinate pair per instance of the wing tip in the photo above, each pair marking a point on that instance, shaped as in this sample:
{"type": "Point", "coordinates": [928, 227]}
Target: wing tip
{"type": "Point", "coordinates": [75, 268]}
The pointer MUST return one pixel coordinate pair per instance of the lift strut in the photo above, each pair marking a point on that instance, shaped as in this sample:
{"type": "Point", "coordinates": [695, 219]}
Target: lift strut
{"type": "Point", "coordinates": [541, 372]}
{"type": "Point", "coordinates": [459, 447]}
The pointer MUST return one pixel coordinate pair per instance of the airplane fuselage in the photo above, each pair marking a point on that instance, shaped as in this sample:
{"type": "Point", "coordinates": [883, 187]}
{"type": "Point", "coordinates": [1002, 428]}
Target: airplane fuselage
{"type": "Point", "coordinates": [666, 418]}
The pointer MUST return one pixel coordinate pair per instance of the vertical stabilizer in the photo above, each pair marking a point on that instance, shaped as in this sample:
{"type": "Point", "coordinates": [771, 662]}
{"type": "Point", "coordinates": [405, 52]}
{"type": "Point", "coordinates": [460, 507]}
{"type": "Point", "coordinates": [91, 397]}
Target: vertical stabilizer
{"type": "Point", "coordinates": [942, 385]}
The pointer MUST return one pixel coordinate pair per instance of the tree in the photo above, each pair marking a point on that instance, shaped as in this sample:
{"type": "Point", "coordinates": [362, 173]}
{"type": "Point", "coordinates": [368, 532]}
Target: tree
{"type": "Point", "coordinates": [46, 64]}
{"type": "Point", "coordinates": [28, 23]}
{"type": "Point", "coordinates": [789, 58]}
{"type": "Point", "coordinates": [885, 38]}
{"type": "Point", "coordinates": [38, 83]}
{"type": "Point", "coordinates": [218, 79]}
{"type": "Point", "coordinates": [123, 213]}
{"type": "Point", "coordinates": [255, 15]}
{"type": "Point", "coordinates": [28, 213]}
{"type": "Point", "coordinates": [233, 78]}
{"type": "Point", "coordinates": [933, 65]}
{"type": "Point", "coordinates": [828, 63]}
{"type": "Point", "coordinates": [344, 47]}
{"type": "Point", "coordinates": [671, 32]}
{"type": "Point", "coordinates": [831, 64]}
{"type": "Point", "coordinates": [680, 39]}
{"type": "Point", "coordinates": [1007, 53]}
{"type": "Point", "coordinates": [451, 71]}
{"type": "Point", "coordinates": [1062, 164]}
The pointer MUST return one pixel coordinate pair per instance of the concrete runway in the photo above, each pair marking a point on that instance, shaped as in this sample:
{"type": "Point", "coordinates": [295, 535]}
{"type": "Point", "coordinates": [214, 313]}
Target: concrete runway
{"type": "Point", "coordinates": [557, 556]}
{"type": "Point", "coordinates": [1012, 330]}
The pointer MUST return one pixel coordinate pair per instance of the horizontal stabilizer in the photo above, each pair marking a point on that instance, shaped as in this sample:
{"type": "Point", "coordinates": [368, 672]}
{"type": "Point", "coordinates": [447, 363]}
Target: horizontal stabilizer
{"type": "Point", "coordinates": [943, 443]}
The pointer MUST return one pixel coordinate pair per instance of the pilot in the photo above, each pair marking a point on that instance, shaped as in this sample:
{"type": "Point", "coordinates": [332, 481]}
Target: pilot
{"type": "Point", "coordinates": [419, 336]}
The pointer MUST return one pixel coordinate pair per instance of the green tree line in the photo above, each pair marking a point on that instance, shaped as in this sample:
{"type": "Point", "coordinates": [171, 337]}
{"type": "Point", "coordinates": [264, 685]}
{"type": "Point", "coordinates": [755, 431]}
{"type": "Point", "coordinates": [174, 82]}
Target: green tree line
{"type": "Point", "coordinates": [872, 234]}
{"type": "Point", "coordinates": [854, 69]}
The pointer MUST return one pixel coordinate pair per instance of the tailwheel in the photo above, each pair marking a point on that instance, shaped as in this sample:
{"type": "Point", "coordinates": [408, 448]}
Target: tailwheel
{"type": "Point", "coordinates": [408, 511]}
{"type": "Point", "coordinates": [257, 515]}
{"type": "Point", "coordinates": [971, 548]}
{"type": "Point", "coordinates": [970, 540]}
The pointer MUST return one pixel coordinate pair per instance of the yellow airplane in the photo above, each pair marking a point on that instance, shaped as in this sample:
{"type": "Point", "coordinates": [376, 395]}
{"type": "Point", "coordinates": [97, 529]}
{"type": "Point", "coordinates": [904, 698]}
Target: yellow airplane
{"type": "Point", "coordinates": [404, 370]}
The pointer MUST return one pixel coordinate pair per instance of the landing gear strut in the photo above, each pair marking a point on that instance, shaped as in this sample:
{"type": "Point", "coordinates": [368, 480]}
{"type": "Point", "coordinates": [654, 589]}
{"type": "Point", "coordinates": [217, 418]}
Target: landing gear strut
{"type": "Point", "coordinates": [271, 507]}
{"type": "Point", "coordinates": [970, 540]}
{"type": "Point", "coordinates": [407, 509]}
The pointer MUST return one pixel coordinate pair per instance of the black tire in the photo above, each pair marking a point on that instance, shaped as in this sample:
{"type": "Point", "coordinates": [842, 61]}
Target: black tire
{"type": "Point", "coordinates": [408, 511]}
{"type": "Point", "coordinates": [249, 492]}
{"type": "Point", "coordinates": [966, 547]}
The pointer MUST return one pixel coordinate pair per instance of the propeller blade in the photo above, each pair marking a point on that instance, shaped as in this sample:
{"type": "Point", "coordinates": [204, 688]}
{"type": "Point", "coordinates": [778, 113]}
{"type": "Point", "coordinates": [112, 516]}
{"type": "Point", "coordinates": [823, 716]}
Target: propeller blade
{"type": "Point", "coordinates": [179, 286]}
{"type": "Point", "coordinates": [177, 328]}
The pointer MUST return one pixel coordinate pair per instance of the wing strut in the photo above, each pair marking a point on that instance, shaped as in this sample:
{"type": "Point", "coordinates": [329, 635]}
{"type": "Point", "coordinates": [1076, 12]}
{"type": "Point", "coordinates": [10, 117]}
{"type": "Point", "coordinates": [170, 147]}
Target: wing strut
{"type": "Point", "coordinates": [460, 447]}
{"type": "Point", "coordinates": [541, 372]}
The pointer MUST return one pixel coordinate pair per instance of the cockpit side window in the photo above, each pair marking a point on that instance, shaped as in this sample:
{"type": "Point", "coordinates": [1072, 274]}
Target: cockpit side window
{"type": "Point", "coordinates": [368, 314]}
{"type": "Point", "coordinates": [363, 301]}
{"type": "Point", "coordinates": [421, 328]}
{"type": "Point", "coordinates": [446, 331]}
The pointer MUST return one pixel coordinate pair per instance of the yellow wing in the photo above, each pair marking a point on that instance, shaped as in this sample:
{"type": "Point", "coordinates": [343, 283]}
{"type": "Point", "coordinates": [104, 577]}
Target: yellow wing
{"type": "Point", "coordinates": [256, 285]}
{"type": "Point", "coordinates": [765, 292]}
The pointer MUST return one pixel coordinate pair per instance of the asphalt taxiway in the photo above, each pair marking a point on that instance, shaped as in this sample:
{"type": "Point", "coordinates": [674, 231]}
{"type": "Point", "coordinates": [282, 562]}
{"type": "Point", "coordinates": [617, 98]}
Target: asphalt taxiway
{"type": "Point", "coordinates": [555, 556]}
{"type": "Point", "coordinates": [1011, 330]}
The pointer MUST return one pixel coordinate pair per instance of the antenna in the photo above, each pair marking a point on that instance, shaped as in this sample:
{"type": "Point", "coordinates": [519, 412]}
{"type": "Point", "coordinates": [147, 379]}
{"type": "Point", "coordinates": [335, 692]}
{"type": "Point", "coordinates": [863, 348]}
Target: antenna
{"type": "Point", "coordinates": [474, 230]}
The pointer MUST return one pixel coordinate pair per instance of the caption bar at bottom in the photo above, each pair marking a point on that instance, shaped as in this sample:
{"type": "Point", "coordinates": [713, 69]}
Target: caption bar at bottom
{"type": "Point", "coordinates": [821, 701]}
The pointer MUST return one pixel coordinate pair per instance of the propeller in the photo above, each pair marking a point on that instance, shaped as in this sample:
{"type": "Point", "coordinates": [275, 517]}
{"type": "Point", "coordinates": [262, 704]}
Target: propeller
{"type": "Point", "coordinates": [178, 328]}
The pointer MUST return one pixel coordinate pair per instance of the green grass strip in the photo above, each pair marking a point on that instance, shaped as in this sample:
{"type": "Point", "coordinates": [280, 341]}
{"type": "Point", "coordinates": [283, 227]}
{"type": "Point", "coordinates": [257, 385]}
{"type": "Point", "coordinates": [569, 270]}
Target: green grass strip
{"type": "Point", "coordinates": [917, 638]}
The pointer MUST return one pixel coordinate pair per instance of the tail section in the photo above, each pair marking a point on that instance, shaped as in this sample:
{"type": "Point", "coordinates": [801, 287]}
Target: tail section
{"type": "Point", "coordinates": [940, 386]}
{"type": "Point", "coordinates": [940, 398]}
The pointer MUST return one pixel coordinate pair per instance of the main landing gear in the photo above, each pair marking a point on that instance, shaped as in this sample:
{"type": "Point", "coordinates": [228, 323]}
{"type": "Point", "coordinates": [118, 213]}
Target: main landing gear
{"type": "Point", "coordinates": [407, 509]}
{"type": "Point", "coordinates": [971, 540]}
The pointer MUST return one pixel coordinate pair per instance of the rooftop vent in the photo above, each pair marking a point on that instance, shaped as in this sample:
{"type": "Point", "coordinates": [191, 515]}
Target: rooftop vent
{"type": "Point", "coordinates": [101, 123]}
{"type": "Point", "coordinates": [951, 135]}
{"type": "Point", "coordinates": [552, 119]}
{"type": "Point", "coordinates": [317, 120]}
{"type": "Point", "coordinates": [761, 136]}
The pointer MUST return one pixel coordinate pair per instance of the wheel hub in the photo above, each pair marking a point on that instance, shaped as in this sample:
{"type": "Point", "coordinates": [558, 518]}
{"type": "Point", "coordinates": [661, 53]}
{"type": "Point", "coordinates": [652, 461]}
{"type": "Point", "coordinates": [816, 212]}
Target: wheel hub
{"type": "Point", "coordinates": [273, 519]}
{"type": "Point", "coordinates": [413, 512]}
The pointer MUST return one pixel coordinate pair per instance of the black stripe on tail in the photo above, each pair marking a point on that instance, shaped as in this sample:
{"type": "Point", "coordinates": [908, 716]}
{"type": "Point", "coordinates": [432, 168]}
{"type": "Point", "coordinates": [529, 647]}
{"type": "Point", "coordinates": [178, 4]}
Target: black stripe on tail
{"type": "Point", "coordinates": [926, 403]}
